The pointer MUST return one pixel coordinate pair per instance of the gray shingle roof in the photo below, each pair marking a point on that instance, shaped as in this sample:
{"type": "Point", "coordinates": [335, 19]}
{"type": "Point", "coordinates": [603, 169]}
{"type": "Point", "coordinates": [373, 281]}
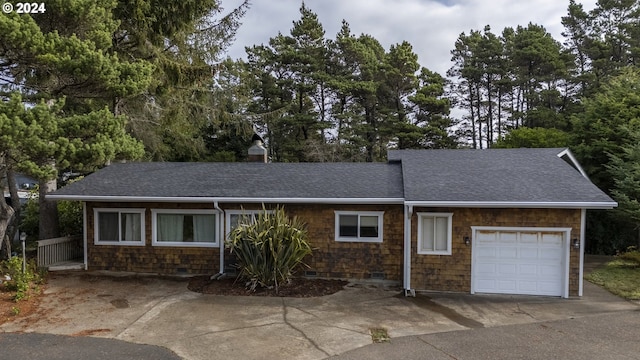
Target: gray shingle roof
{"type": "Point", "coordinates": [242, 180]}
{"type": "Point", "coordinates": [436, 177]}
{"type": "Point", "coordinates": [494, 175]}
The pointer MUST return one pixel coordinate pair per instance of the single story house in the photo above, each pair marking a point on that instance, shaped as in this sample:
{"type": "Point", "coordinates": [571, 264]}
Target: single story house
{"type": "Point", "coordinates": [508, 221]}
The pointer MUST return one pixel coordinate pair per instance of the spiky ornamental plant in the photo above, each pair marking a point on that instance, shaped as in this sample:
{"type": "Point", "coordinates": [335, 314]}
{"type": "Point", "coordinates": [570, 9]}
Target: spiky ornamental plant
{"type": "Point", "coordinates": [269, 248]}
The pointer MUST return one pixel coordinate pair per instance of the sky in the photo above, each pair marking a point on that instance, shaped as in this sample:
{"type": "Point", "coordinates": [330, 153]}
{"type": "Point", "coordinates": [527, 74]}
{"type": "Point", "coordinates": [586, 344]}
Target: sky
{"type": "Point", "coordinates": [430, 26]}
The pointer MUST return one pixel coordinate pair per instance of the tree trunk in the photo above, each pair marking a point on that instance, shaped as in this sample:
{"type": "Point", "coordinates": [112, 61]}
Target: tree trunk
{"type": "Point", "coordinates": [6, 215]}
{"type": "Point", "coordinates": [49, 227]}
{"type": "Point", "coordinates": [15, 204]}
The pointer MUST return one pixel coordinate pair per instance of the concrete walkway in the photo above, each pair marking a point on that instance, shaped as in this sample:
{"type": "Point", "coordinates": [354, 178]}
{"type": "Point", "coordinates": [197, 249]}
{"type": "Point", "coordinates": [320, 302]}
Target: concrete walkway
{"type": "Point", "coordinates": [162, 312]}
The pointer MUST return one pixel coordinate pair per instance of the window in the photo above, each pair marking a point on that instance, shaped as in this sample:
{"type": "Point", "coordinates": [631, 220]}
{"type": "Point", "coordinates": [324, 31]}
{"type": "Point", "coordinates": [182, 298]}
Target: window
{"type": "Point", "coordinates": [190, 228]}
{"type": "Point", "coordinates": [119, 226]}
{"type": "Point", "coordinates": [235, 217]}
{"type": "Point", "coordinates": [359, 226]}
{"type": "Point", "coordinates": [434, 233]}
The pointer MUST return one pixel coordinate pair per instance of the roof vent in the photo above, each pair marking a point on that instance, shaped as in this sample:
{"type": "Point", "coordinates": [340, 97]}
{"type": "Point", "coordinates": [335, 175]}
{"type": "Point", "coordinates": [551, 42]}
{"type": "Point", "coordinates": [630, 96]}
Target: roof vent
{"type": "Point", "coordinates": [257, 151]}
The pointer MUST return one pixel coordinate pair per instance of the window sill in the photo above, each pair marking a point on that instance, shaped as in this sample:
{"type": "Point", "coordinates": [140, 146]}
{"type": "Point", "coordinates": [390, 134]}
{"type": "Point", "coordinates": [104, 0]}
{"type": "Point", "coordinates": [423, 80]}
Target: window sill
{"type": "Point", "coordinates": [434, 253]}
{"type": "Point", "coordinates": [119, 243]}
{"type": "Point", "coordinates": [186, 244]}
{"type": "Point", "coordinates": [360, 240]}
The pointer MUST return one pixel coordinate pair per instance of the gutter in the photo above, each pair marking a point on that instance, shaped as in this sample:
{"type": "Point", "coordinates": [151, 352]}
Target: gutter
{"type": "Point", "coordinates": [220, 219]}
{"type": "Point", "coordinates": [196, 199]}
{"type": "Point", "coordinates": [406, 278]}
{"type": "Point", "coordinates": [517, 204]}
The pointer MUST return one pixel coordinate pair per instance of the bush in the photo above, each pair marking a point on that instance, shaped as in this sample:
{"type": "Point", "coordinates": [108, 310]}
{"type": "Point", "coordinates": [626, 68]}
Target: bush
{"type": "Point", "coordinates": [69, 216]}
{"type": "Point", "coordinates": [20, 282]}
{"type": "Point", "coordinates": [631, 255]}
{"type": "Point", "coordinates": [30, 221]}
{"type": "Point", "coordinates": [269, 249]}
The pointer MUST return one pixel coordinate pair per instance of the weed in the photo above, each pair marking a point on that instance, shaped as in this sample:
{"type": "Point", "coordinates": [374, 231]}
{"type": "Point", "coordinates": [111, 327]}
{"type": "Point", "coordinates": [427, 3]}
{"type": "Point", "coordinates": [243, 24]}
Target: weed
{"type": "Point", "coordinates": [379, 335]}
{"type": "Point", "coordinates": [15, 311]}
{"type": "Point", "coordinates": [21, 282]}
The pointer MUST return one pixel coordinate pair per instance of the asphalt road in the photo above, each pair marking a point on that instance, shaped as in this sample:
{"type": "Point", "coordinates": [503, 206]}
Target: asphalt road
{"type": "Point", "coordinates": [599, 337]}
{"type": "Point", "coordinates": [57, 347]}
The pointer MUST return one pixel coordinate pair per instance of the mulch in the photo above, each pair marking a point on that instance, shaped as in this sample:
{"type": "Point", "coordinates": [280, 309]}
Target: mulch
{"type": "Point", "coordinates": [297, 287]}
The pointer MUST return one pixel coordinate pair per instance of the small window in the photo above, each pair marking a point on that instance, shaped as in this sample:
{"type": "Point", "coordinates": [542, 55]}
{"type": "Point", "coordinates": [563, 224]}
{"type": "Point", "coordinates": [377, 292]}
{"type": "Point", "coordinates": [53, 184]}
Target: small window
{"type": "Point", "coordinates": [363, 226]}
{"type": "Point", "coordinates": [236, 217]}
{"type": "Point", "coordinates": [119, 226]}
{"type": "Point", "coordinates": [191, 228]}
{"type": "Point", "coordinates": [434, 233]}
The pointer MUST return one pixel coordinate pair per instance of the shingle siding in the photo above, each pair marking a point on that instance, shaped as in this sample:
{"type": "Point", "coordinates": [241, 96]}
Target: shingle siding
{"type": "Point", "coordinates": [453, 272]}
{"type": "Point", "coordinates": [329, 259]}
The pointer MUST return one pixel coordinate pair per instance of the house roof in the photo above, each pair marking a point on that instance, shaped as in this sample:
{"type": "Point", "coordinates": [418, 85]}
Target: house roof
{"type": "Point", "coordinates": [497, 177]}
{"type": "Point", "coordinates": [471, 178]}
{"type": "Point", "coordinates": [246, 182]}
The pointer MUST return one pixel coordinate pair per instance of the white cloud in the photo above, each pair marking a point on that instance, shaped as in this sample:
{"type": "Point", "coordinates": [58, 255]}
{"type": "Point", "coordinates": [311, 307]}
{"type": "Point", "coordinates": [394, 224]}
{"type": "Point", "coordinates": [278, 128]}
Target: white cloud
{"type": "Point", "coordinates": [432, 27]}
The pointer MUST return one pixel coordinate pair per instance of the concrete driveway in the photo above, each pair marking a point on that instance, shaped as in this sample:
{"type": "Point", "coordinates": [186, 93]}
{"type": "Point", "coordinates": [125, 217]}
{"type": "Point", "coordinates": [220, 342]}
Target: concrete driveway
{"type": "Point", "coordinates": [160, 311]}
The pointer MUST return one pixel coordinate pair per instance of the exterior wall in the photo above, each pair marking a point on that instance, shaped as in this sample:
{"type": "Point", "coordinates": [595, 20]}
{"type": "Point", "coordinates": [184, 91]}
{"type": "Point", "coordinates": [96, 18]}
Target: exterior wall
{"type": "Point", "coordinates": [453, 272]}
{"type": "Point", "coordinates": [353, 260]}
{"type": "Point", "coordinates": [148, 258]}
{"type": "Point", "coordinates": [331, 259]}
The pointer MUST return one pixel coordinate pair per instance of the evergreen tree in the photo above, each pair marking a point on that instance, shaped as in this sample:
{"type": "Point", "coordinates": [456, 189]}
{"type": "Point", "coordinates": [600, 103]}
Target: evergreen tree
{"type": "Point", "coordinates": [607, 129]}
{"type": "Point", "coordinates": [625, 169]}
{"type": "Point", "coordinates": [431, 124]}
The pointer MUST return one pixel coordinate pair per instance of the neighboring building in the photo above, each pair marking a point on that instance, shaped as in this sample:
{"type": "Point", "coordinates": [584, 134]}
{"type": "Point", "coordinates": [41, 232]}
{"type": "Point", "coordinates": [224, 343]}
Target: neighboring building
{"type": "Point", "coordinates": [481, 221]}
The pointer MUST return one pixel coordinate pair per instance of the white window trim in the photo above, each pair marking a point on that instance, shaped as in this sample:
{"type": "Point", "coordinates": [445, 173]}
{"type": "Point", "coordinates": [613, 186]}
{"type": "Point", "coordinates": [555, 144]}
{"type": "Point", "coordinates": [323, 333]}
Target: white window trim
{"type": "Point", "coordinates": [228, 213]}
{"type": "Point", "coordinates": [449, 216]}
{"type": "Point", "coordinates": [379, 214]}
{"type": "Point", "coordinates": [154, 230]}
{"type": "Point", "coordinates": [96, 226]}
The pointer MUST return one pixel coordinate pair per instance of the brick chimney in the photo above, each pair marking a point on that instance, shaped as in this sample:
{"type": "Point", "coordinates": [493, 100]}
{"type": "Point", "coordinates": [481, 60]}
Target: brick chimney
{"type": "Point", "coordinates": [257, 151]}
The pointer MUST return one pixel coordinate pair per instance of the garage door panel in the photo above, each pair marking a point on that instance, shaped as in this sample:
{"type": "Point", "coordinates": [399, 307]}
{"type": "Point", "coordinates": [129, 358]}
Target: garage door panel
{"type": "Point", "coordinates": [528, 270]}
{"type": "Point", "coordinates": [486, 252]}
{"type": "Point", "coordinates": [548, 287]}
{"type": "Point", "coordinates": [553, 239]}
{"type": "Point", "coordinates": [507, 285]}
{"type": "Point", "coordinates": [486, 237]}
{"type": "Point", "coordinates": [550, 254]}
{"type": "Point", "coordinates": [507, 269]}
{"type": "Point", "coordinates": [549, 270]}
{"type": "Point", "coordinates": [519, 262]}
{"type": "Point", "coordinates": [507, 253]}
{"type": "Point", "coordinates": [529, 238]}
{"type": "Point", "coordinates": [487, 269]}
{"type": "Point", "coordinates": [508, 237]}
{"type": "Point", "coordinates": [529, 253]}
{"type": "Point", "coordinates": [528, 286]}
{"type": "Point", "coordinates": [485, 284]}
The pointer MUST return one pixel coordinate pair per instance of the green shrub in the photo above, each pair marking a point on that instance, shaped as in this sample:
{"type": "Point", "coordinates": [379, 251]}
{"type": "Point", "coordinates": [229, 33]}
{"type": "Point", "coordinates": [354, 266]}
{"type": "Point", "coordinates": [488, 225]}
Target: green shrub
{"type": "Point", "coordinates": [69, 216]}
{"type": "Point", "coordinates": [31, 216]}
{"type": "Point", "coordinates": [21, 282]}
{"type": "Point", "coordinates": [633, 255]}
{"type": "Point", "coordinates": [269, 248]}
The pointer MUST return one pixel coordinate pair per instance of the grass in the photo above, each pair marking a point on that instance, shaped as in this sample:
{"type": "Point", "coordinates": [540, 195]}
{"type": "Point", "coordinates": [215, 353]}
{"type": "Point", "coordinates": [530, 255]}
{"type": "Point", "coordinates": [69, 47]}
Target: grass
{"type": "Point", "coordinates": [620, 277]}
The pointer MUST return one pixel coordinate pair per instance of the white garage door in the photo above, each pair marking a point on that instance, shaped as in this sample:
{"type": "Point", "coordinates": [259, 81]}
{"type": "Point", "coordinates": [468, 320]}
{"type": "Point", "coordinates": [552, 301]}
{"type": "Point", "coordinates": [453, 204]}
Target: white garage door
{"type": "Point", "coordinates": [527, 261]}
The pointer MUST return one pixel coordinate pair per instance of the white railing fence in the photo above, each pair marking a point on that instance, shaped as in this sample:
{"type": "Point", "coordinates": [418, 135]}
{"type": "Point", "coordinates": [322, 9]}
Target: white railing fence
{"type": "Point", "coordinates": [51, 251]}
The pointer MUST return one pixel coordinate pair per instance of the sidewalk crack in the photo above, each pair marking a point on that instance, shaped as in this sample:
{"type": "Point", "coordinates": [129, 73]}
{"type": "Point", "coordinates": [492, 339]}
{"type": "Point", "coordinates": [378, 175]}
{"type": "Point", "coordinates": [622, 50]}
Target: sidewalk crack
{"type": "Point", "coordinates": [285, 311]}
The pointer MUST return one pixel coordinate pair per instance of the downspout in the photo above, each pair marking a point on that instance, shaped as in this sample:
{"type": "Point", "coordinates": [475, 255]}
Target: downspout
{"type": "Point", "coordinates": [408, 213]}
{"type": "Point", "coordinates": [84, 235]}
{"type": "Point", "coordinates": [583, 226]}
{"type": "Point", "coordinates": [220, 239]}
